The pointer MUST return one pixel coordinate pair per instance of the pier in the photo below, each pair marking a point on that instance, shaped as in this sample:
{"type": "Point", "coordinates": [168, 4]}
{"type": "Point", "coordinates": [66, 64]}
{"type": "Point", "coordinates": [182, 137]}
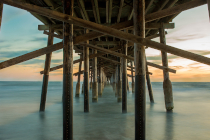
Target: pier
{"type": "Point", "coordinates": [110, 42]}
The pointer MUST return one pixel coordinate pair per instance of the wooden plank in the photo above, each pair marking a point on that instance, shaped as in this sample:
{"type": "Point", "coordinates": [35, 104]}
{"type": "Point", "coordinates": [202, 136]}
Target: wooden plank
{"type": "Point", "coordinates": [68, 72]}
{"type": "Point", "coordinates": [110, 10]}
{"type": "Point", "coordinates": [97, 11]}
{"type": "Point", "coordinates": [120, 11]}
{"type": "Point", "coordinates": [148, 7]}
{"type": "Point", "coordinates": [158, 25]}
{"type": "Point", "coordinates": [82, 6]}
{"type": "Point", "coordinates": [56, 27]}
{"type": "Point", "coordinates": [130, 15]}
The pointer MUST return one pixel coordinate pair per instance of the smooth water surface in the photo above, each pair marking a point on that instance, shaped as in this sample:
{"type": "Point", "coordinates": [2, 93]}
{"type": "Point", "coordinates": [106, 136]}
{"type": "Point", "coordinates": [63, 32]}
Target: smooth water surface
{"type": "Point", "coordinates": [20, 118]}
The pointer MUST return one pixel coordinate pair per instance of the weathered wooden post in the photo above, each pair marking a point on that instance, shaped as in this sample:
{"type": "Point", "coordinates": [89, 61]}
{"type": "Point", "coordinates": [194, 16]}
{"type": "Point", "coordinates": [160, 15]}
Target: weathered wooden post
{"type": "Point", "coordinates": [1, 13]}
{"type": "Point", "coordinates": [140, 70]}
{"type": "Point", "coordinates": [149, 86]}
{"type": "Point", "coordinates": [167, 86]}
{"type": "Point", "coordinates": [91, 78]}
{"type": "Point", "coordinates": [78, 80]}
{"type": "Point", "coordinates": [95, 82]}
{"type": "Point", "coordinates": [113, 81]}
{"type": "Point", "coordinates": [46, 72]}
{"type": "Point", "coordinates": [119, 84]}
{"type": "Point", "coordinates": [68, 6]}
{"type": "Point", "coordinates": [86, 75]}
{"type": "Point", "coordinates": [132, 78]}
{"type": "Point", "coordinates": [100, 81]}
{"type": "Point", "coordinates": [127, 84]}
{"type": "Point", "coordinates": [116, 79]}
{"type": "Point", "coordinates": [124, 78]}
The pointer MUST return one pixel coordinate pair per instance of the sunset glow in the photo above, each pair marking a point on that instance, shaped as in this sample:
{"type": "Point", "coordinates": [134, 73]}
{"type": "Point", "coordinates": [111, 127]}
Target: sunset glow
{"type": "Point", "coordinates": [19, 35]}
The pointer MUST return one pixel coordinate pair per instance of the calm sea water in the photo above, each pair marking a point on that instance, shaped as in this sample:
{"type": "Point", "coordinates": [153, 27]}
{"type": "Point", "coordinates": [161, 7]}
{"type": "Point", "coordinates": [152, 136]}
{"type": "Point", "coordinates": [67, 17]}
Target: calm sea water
{"type": "Point", "coordinates": [21, 120]}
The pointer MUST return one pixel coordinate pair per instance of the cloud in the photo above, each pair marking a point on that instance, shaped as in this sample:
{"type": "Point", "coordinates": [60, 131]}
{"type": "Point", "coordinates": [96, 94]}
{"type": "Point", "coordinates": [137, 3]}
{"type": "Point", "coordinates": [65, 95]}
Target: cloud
{"type": "Point", "coordinates": [11, 12]}
{"type": "Point", "coordinates": [57, 61]}
{"type": "Point", "coordinates": [33, 61]}
{"type": "Point", "coordinates": [39, 39]}
{"type": "Point", "coordinates": [184, 37]}
{"type": "Point", "coordinates": [11, 54]}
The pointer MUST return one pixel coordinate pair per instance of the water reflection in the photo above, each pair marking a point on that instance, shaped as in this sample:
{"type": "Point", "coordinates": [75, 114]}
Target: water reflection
{"type": "Point", "coordinates": [169, 125]}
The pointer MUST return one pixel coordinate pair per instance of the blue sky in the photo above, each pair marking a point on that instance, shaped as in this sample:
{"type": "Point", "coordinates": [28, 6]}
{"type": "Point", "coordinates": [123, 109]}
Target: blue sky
{"type": "Point", "coordinates": [19, 34]}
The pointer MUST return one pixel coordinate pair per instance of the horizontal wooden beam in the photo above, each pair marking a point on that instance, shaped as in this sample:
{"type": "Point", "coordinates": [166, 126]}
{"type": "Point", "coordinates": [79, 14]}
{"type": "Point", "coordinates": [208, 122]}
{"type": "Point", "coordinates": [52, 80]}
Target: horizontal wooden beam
{"type": "Point", "coordinates": [81, 72]}
{"type": "Point", "coordinates": [127, 57]}
{"type": "Point", "coordinates": [31, 55]}
{"type": "Point", "coordinates": [158, 25]}
{"type": "Point", "coordinates": [147, 26]}
{"type": "Point", "coordinates": [56, 27]}
{"type": "Point", "coordinates": [110, 60]}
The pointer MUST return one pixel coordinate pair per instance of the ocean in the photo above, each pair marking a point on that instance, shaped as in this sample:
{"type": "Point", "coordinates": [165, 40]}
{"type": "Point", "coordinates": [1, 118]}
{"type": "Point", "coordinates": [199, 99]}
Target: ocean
{"type": "Point", "coordinates": [20, 118]}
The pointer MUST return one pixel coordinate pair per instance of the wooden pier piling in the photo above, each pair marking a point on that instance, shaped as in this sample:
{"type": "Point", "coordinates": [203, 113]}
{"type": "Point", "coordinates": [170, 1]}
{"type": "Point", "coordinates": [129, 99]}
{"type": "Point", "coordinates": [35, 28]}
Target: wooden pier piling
{"type": "Point", "coordinates": [78, 80]}
{"type": "Point", "coordinates": [91, 79]}
{"type": "Point", "coordinates": [140, 70]}
{"type": "Point", "coordinates": [95, 82]}
{"type": "Point", "coordinates": [149, 86]}
{"type": "Point", "coordinates": [119, 83]}
{"type": "Point", "coordinates": [132, 78]}
{"type": "Point", "coordinates": [124, 78]}
{"type": "Point", "coordinates": [46, 73]}
{"type": "Point", "coordinates": [167, 86]}
{"type": "Point", "coordinates": [100, 82]}
{"type": "Point", "coordinates": [86, 76]}
{"type": "Point", "coordinates": [68, 73]}
{"type": "Point", "coordinates": [116, 81]}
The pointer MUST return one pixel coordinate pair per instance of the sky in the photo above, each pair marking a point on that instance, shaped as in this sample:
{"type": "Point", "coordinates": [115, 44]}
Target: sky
{"type": "Point", "coordinates": [19, 35]}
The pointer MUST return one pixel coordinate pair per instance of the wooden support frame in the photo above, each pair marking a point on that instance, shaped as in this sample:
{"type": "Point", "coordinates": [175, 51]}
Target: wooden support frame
{"type": "Point", "coordinates": [114, 32]}
{"type": "Point", "coordinates": [125, 56]}
{"type": "Point", "coordinates": [81, 59]}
